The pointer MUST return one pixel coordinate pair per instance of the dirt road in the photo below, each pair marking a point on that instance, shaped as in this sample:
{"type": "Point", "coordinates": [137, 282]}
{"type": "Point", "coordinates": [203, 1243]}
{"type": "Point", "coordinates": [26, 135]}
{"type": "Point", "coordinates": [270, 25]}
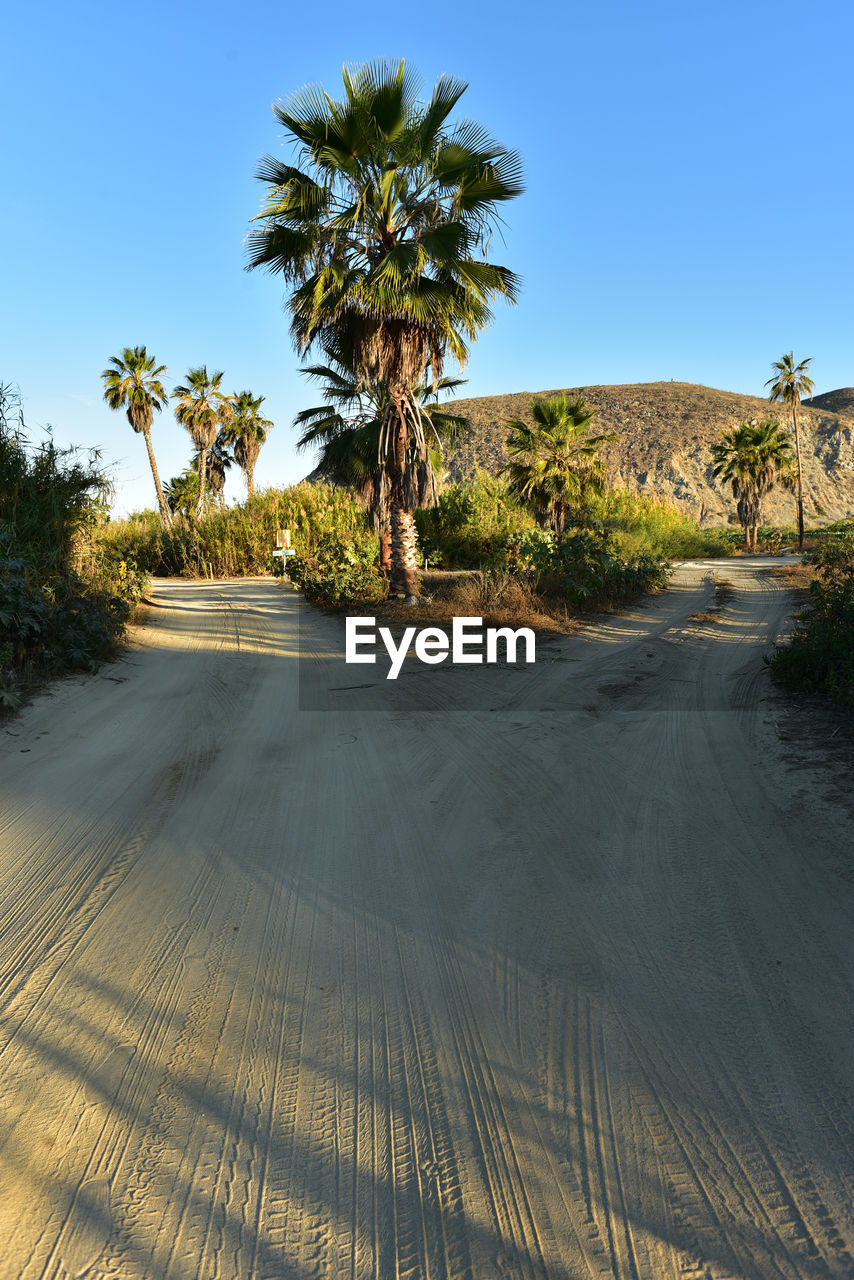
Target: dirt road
{"type": "Point", "coordinates": [498, 974]}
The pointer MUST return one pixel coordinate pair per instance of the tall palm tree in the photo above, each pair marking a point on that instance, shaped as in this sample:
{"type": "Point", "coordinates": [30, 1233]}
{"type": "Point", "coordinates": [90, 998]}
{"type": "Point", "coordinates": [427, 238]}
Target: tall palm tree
{"type": "Point", "coordinates": [348, 427]}
{"type": "Point", "coordinates": [132, 382]}
{"type": "Point", "coordinates": [246, 431]}
{"type": "Point", "coordinates": [382, 235]}
{"type": "Point", "coordinates": [788, 383]}
{"type": "Point", "coordinates": [752, 458]}
{"type": "Point", "coordinates": [554, 463]}
{"type": "Point", "coordinates": [202, 408]}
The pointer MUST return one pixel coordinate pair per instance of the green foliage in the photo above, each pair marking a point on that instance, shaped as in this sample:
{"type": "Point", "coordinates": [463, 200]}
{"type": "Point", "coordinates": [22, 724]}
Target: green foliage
{"type": "Point", "coordinates": [642, 524]}
{"type": "Point", "coordinates": [554, 463]}
{"type": "Point", "coordinates": [238, 541]}
{"type": "Point", "coordinates": [820, 657]}
{"type": "Point", "coordinates": [470, 522]}
{"type": "Point", "coordinates": [58, 611]}
{"type": "Point", "coordinates": [751, 459]}
{"type": "Point", "coordinates": [475, 518]}
{"type": "Point", "coordinates": [339, 571]}
{"type": "Point", "coordinates": [585, 566]}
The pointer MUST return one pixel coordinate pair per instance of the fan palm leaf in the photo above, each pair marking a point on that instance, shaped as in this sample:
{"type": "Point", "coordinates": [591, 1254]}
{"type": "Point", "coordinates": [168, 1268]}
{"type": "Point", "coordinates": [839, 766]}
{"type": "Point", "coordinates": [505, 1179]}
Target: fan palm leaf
{"type": "Point", "coordinates": [554, 462]}
{"type": "Point", "coordinates": [132, 381]}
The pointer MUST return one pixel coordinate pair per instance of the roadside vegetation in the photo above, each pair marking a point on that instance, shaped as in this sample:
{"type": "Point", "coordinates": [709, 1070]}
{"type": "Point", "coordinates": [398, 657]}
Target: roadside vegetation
{"type": "Point", "coordinates": [819, 658]}
{"type": "Point", "coordinates": [65, 598]}
{"type": "Point", "coordinates": [238, 541]}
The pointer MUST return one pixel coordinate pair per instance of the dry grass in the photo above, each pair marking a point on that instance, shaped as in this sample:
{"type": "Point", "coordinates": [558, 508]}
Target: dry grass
{"type": "Point", "coordinates": [723, 593]}
{"type": "Point", "coordinates": [501, 600]}
{"type": "Point", "coordinates": [796, 578]}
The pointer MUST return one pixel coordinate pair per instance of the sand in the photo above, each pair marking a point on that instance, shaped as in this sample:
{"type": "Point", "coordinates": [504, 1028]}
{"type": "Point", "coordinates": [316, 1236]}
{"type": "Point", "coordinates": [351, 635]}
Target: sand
{"type": "Point", "coordinates": [499, 974]}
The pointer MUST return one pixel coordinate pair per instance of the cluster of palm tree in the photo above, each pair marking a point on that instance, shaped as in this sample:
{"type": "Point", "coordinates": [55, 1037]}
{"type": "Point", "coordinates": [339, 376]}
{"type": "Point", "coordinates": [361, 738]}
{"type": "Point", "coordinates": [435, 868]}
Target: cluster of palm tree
{"type": "Point", "coordinates": [381, 230]}
{"type": "Point", "coordinates": [752, 459]}
{"type": "Point", "coordinates": [214, 420]}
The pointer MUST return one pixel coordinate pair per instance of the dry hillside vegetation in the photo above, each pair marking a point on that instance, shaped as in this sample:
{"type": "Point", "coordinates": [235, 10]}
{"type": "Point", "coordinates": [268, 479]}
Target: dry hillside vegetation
{"type": "Point", "coordinates": [666, 431]}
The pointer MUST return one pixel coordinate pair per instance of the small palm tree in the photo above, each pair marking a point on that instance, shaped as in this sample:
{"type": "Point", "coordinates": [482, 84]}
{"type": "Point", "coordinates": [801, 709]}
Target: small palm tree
{"type": "Point", "coordinates": [383, 235]}
{"type": "Point", "coordinates": [554, 463]}
{"type": "Point", "coordinates": [752, 458]}
{"type": "Point", "coordinates": [348, 427]}
{"type": "Point", "coordinates": [788, 383]}
{"type": "Point", "coordinates": [202, 408]}
{"type": "Point", "coordinates": [218, 461]}
{"type": "Point", "coordinates": [132, 382]}
{"type": "Point", "coordinates": [182, 492]}
{"type": "Point", "coordinates": [246, 431]}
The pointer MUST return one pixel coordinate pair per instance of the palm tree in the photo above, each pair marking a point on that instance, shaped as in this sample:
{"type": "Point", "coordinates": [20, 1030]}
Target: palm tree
{"type": "Point", "coordinates": [789, 383]}
{"type": "Point", "coordinates": [182, 492]}
{"type": "Point", "coordinates": [202, 409]}
{"type": "Point", "coordinates": [217, 462]}
{"type": "Point", "coordinates": [554, 464]}
{"type": "Point", "coordinates": [246, 432]}
{"type": "Point", "coordinates": [379, 235]}
{"type": "Point", "coordinates": [132, 382]}
{"type": "Point", "coordinates": [752, 458]}
{"type": "Point", "coordinates": [348, 428]}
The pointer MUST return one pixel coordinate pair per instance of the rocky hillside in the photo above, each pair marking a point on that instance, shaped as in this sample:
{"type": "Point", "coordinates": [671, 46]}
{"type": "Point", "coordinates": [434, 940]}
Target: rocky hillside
{"type": "Point", "coordinates": [665, 435]}
{"type": "Point", "coordinates": [841, 401]}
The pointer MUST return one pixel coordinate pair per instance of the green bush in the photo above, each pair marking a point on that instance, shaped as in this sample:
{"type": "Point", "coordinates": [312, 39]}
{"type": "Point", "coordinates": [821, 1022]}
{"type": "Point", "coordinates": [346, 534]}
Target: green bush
{"type": "Point", "coordinates": [647, 525]}
{"type": "Point", "coordinates": [59, 610]}
{"type": "Point", "coordinates": [470, 522]}
{"type": "Point", "coordinates": [339, 571]}
{"type": "Point", "coordinates": [587, 567]}
{"type": "Point", "coordinates": [474, 519]}
{"type": "Point", "coordinates": [820, 656]}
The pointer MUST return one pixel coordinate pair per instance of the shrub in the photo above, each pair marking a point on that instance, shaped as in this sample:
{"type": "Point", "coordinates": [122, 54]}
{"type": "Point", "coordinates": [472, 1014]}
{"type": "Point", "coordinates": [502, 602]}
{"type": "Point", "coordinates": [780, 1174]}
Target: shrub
{"type": "Point", "coordinates": [470, 522]}
{"type": "Point", "coordinates": [339, 572]}
{"type": "Point", "coordinates": [58, 611]}
{"type": "Point", "coordinates": [238, 541]}
{"type": "Point", "coordinates": [820, 656]}
{"type": "Point", "coordinates": [644, 524]}
{"type": "Point", "coordinates": [585, 566]}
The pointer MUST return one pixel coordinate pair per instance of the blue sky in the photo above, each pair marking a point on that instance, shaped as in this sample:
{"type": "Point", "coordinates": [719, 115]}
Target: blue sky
{"type": "Point", "coordinates": [688, 211]}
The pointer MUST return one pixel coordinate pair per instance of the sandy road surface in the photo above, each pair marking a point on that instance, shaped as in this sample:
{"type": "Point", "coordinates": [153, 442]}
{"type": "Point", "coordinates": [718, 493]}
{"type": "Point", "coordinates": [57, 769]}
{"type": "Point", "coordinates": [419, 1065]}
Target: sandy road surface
{"type": "Point", "coordinates": [507, 975]}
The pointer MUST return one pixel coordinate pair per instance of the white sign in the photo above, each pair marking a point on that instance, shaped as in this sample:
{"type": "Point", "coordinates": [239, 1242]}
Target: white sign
{"type": "Point", "coordinates": [467, 643]}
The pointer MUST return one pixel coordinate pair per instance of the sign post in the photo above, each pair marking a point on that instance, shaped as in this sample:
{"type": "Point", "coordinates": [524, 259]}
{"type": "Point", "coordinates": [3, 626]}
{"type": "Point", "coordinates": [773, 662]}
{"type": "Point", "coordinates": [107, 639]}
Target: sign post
{"type": "Point", "coordinates": [283, 549]}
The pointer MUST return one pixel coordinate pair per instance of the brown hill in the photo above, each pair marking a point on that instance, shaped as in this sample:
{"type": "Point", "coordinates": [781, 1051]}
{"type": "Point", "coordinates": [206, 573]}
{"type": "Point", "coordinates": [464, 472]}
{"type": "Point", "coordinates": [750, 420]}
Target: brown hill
{"type": "Point", "coordinates": [841, 402]}
{"type": "Point", "coordinates": [665, 435]}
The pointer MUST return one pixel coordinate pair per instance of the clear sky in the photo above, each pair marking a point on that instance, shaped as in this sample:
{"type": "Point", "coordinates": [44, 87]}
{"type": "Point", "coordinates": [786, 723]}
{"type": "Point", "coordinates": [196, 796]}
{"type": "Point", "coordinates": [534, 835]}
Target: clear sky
{"type": "Point", "coordinates": [688, 211]}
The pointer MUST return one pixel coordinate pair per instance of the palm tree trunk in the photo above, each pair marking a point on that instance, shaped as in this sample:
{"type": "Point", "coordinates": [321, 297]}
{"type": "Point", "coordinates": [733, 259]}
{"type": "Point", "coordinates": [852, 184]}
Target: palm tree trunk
{"type": "Point", "coordinates": [203, 463]}
{"type": "Point", "coordinates": [404, 553]}
{"type": "Point", "coordinates": [800, 484]}
{"type": "Point", "coordinates": [385, 550]}
{"type": "Point", "coordinates": [165, 513]}
{"type": "Point", "coordinates": [250, 483]}
{"type": "Point", "coordinates": [404, 538]}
